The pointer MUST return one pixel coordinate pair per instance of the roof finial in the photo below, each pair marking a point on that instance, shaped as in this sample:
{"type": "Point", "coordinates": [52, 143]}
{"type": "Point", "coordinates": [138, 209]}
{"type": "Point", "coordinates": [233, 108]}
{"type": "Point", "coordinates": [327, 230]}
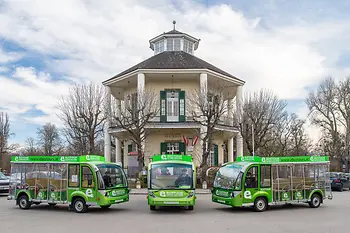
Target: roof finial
{"type": "Point", "coordinates": [174, 22]}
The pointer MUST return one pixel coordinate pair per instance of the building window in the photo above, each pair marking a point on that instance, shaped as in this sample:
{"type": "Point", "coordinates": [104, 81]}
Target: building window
{"type": "Point", "coordinates": [213, 156]}
{"type": "Point", "coordinates": [173, 148]}
{"type": "Point", "coordinates": [177, 44]}
{"type": "Point", "coordinates": [170, 44]}
{"type": "Point", "coordinates": [173, 44]}
{"type": "Point", "coordinates": [159, 46]}
{"type": "Point", "coordinates": [188, 46]}
{"type": "Point", "coordinates": [172, 106]}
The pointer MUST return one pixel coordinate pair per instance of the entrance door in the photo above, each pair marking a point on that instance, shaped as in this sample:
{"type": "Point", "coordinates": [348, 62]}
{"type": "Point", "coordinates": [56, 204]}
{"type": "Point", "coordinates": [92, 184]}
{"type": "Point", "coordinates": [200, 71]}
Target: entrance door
{"type": "Point", "coordinates": [173, 106]}
{"type": "Point", "coordinates": [88, 184]}
{"type": "Point", "coordinates": [250, 184]}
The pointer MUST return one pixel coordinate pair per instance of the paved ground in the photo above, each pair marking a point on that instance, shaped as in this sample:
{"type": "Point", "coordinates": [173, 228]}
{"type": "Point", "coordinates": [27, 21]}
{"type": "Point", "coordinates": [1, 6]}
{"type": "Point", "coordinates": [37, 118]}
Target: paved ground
{"type": "Point", "coordinates": [135, 216]}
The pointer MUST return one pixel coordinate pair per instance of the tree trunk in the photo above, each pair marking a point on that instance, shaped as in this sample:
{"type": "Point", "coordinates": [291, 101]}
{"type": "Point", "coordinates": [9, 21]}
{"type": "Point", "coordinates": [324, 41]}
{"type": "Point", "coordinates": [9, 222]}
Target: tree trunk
{"type": "Point", "coordinates": [140, 158]}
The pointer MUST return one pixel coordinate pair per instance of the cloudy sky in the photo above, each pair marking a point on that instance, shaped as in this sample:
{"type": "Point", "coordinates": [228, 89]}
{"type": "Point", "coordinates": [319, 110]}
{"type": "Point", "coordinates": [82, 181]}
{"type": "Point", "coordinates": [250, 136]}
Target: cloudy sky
{"type": "Point", "coordinates": [45, 46]}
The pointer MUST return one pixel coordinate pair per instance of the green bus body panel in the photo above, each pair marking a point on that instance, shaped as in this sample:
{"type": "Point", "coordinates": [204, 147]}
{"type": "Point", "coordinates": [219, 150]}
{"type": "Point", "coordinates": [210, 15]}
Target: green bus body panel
{"type": "Point", "coordinates": [172, 158]}
{"type": "Point", "coordinates": [57, 159]}
{"type": "Point", "coordinates": [283, 159]}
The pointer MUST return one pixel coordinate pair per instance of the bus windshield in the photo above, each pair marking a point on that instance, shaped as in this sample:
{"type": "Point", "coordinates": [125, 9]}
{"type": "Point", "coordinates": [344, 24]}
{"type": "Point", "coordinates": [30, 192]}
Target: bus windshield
{"type": "Point", "coordinates": [229, 177]}
{"type": "Point", "coordinates": [171, 176]}
{"type": "Point", "coordinates": [111, 176]}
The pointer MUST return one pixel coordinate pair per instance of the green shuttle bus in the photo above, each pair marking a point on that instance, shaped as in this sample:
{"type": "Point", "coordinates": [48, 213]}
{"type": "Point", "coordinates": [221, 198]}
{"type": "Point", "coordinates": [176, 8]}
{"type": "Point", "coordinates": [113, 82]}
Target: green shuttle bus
{"type": "Point", "coordinates": [171, 181]}
{"type": "Point", "coordinates": [260, 182]}
{"type": "Point", "coordinates": [80, 181]}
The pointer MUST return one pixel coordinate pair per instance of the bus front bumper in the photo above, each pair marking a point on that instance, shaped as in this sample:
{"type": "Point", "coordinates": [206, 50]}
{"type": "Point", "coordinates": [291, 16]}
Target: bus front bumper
{"type": "Point", "coordinates": [184, 201]}
{"type": "Point", "coordinates": [105, 201]}
{"type": "Point", "coordinates": [222, 200]}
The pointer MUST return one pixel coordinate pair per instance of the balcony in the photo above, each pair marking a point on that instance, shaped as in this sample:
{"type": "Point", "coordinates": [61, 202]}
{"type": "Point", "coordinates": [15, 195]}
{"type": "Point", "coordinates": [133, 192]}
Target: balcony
{"type": "Point", "coordinates": [225, 124]}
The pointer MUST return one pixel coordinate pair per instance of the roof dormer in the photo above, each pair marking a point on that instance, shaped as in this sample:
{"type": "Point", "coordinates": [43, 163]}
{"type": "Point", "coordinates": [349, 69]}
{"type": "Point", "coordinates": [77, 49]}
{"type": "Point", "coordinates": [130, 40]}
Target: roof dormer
{"type": "Point", "coordinates": [174, 41]}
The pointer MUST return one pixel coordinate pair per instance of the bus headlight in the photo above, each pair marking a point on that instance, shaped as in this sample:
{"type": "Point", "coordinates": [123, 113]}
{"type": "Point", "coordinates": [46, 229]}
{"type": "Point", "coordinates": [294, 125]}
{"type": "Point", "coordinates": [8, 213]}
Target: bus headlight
{"type": "Point", "coordinates": [190, 194]}
{"type": "Point", "coordinates": [150, 193]}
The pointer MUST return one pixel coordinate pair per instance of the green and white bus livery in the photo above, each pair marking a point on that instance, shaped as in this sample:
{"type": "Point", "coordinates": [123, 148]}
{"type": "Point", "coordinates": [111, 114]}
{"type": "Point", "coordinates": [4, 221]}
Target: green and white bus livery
{"type": "Point", "coordinates": [171, 181]}
{"type": "Point", "coordinates": [260, 182]}
{"type": "Point", "coordinates": [80, 181]}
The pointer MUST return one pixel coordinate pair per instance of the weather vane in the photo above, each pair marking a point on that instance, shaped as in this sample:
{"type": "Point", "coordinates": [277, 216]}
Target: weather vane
{"type": "Point", "coordinates": [174, 22]}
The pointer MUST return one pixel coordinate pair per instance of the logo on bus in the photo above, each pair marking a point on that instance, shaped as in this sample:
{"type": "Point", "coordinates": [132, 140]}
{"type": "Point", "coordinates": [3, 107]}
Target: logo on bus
{"type": "Point", "coordinates": [89, 193]}
{"type": "Point", "coordinates": [53, 195]}
{"type": "Point", "coordinates": [247, 195]}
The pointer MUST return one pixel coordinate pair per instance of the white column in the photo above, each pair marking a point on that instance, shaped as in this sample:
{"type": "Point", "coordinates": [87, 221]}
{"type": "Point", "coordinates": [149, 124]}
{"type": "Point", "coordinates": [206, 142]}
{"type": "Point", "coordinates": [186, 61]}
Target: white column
{"type": "Point", "coordinates": [239, 106]}
{"type": "Point", "coordinates": [230, 149]}
{"type": "Point", "coordinates": [107, 136]}
{"type": "Point", "coordinates": [118, 107]}
{"type": "Point", "coordinates": [140, 82]}
{"type": "Point", "coordinates": [230, 111]}
{"type": "Point", "coordinates": [118, 155]}
{"type": "Point", "coordinates": [204, 85]}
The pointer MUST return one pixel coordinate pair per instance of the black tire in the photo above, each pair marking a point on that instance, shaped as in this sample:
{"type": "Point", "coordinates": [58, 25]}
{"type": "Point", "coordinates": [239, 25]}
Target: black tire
{"type": "Point", "coordinates": [315, 200]}
{"type": "Point", "coordinates": [341, 188]}
{"type": "Point", "coordinates": [79, 205]}
{"type": "Point", "coordinates": [260, 204]}
{"type": "Point", "coordinates": [105, 207]}
{"type": "Point", "coordinates": [23, 202]}
{"type": "Point", "coordinates": [190, 207]}
{"type": "Point", "coordinates": [152, 207]}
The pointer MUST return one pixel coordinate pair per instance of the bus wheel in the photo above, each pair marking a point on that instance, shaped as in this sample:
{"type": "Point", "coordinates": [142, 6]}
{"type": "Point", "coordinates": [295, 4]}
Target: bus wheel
{"type": "Point", "coordinates": [79, 205]}
{"type": "Point", "coordinates": [24, 202]}
{"type": "Point", "coordinates": [315, 201]}
{"type": "Point", "coordinates": [260, 204]}
{"type": "Point", "coordinates": [152, 207]}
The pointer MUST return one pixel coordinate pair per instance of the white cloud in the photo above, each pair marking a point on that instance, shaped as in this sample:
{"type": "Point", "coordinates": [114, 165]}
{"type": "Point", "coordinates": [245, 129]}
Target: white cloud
{"type": "Point", "coordinates": [94, 41]}
{"type": "Point", "coordinates": [26, 89]}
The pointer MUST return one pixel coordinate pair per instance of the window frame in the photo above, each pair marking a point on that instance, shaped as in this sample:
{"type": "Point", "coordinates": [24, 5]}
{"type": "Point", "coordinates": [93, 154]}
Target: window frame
{"type": "Point", "coordinates": [69, 176]}
{"type": "Point", "coordinates": [82, 175]}
{"type": "Point", "coordinates": [261, 175]}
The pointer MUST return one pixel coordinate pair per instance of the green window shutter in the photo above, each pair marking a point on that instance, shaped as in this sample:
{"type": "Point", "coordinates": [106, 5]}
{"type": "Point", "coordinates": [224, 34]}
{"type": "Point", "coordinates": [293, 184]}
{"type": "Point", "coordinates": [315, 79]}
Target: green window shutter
{"type": "Point", "coordinates": [163, 147]}
{"type": "Point", "coordinates": [129, 148]}
{"type": "Point", "coordinates": [182, 106]}
{"type": "Point", "coordinates": [182, 148]}
{"type": "Point", "coordinates": [163, 106]}
{"type": "Point", "coordinates": [216, 155]}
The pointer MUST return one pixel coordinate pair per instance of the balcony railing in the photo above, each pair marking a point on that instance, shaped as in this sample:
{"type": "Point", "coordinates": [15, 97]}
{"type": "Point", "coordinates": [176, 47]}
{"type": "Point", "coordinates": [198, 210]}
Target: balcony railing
{"type": "Point", "coordinates": [224, 121]}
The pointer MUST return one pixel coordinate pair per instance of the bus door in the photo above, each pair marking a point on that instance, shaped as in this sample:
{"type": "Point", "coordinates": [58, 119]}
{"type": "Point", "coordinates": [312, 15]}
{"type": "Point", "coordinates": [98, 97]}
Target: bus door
{"type": "Point", "coordinates": [251, 184]}
{"type": "Point", "coordinates": [88, 183]}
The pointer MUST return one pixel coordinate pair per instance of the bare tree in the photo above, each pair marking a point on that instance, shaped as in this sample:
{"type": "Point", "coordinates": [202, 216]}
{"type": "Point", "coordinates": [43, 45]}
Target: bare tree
{"type": "Point", "coordinates": [329, 109]}
{"type": "Point", "coordinates": [287, 137]}
{"type": "Point", "coordinates": [31, 149]}
{"type": "Point", "coordinates": [5, 134]}
{"type": "Point", "coordinates": [49, 139]}
{"type": "Point", "coordinates": [134, 116]}
{"type": "Point", "coordinates": [263, 110]}
{"type": "Point", "coordinates": [207, 107]}
{"type": "Point", "coordinates": [83, 115]}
